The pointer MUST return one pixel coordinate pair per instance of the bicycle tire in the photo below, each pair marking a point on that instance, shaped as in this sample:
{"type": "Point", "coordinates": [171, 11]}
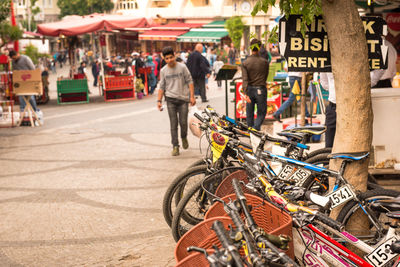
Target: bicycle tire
{"type": "Point", "coordinates": [197, 163]}
{"type": "Point", "coordinates": [351, 207]}
{"type": "Point", "coordinates": [325, 150]}
{"type": "Point", "coordinates": [178, 226]}
{"type": "Point", "coordinates": [184, 218]}
{"type": "Point", "coordinates": [174, 187]}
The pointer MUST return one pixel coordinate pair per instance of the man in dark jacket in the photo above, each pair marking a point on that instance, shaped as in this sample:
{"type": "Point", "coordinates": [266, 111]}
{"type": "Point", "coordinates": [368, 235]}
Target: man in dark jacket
{"type": "Point", "coordinates": [254, 75]}
{"type": "Point", "coordinates": [199, 69]}
{"type": "Point", "coordinates": [95, 72]}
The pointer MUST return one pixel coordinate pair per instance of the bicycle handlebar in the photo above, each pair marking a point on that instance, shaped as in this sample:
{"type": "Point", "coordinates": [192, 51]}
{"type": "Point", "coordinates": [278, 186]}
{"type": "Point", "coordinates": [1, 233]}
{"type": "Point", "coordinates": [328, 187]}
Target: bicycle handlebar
{"type": "Point", "coordinates": [226, 242]}
{"type": "Point", "coordinates": [253, 226]}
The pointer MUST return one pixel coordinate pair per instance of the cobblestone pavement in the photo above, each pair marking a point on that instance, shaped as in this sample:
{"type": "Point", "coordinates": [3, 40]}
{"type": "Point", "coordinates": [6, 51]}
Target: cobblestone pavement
{"type": "Point", "coordinates": [86, 188]}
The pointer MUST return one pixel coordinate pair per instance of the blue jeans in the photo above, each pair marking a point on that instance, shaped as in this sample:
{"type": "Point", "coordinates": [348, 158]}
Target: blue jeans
{"type": "Point", "coordinates": [258, 95]}
{"type": "Point", "coordinates": [32, 100]}
{"type": "Point", "coordinates": [178, 114]}
{"type": "Point", "coordinates": [292, 97]}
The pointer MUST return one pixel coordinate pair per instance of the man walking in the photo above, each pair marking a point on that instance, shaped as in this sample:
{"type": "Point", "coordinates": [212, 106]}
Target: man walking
{"type": "Point", "coordinates": [254, 75]}
{"type": "Point", "coordinates": [95, 71]}
{"type": "Point", "coordinates": [199, 69]}
{"type": "Point", "coordinates": [176, 85]}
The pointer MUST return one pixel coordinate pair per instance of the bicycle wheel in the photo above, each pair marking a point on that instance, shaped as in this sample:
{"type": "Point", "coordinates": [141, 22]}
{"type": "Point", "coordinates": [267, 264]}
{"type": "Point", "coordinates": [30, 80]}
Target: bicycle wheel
{"type": "Point", "coordinates": [351, 212]}
{"type": "Point", "coordinates": [325, 150]}
{"type": "Point", "coordinates": [198, 163]}
{"type": "Point", "coordinates": [189, 177]}
{"type": "Point", "coordinates": [195, 203]}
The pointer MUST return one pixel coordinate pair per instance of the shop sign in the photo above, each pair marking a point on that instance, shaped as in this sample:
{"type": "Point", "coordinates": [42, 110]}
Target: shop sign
{"type": "Point", "coordinates": [311, 52]}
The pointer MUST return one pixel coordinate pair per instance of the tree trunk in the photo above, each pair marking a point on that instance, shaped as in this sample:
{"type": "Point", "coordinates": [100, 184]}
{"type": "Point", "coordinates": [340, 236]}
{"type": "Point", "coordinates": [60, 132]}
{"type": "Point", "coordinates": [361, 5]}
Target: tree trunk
{"type": "Point", "coordinates": [349, 57]}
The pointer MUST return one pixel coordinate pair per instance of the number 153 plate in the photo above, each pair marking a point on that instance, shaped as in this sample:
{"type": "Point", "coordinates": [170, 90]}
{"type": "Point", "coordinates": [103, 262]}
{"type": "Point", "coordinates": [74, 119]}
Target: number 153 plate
{"type": "Point", "coordinates": [382, 254]}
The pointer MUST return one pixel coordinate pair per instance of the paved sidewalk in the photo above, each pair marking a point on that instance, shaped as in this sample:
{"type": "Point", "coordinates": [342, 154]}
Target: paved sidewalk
{"type": "Point", "coordinates": [86, 188]}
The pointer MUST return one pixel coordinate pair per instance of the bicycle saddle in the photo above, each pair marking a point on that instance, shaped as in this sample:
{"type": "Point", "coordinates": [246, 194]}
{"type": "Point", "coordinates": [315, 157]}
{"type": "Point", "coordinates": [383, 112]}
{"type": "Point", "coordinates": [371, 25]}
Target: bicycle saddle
{"type": "Point", "coordinates": [315, 130]}
{"type": "Point", "coordinates": [349, 156]}
{"type": "Point", "coordinates": [296, 136]}
{"type": "Point", "coordinates": [388, 205]}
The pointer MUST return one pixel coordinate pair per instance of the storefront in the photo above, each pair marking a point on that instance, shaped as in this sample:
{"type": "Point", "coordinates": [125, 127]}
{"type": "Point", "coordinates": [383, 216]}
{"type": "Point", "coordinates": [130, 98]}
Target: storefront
{"type": "Point", "coordinates": [155, 38]}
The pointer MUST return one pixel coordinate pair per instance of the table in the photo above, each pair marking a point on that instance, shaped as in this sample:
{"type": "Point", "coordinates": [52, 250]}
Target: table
{"type": "Point", "coordinates": [28, 108]}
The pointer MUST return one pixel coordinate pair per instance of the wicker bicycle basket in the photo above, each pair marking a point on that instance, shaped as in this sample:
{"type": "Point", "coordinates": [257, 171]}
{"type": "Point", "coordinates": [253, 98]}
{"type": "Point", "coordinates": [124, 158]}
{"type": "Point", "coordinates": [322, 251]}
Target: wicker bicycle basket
{"type": "Point", "coordinates": [201, 236]}
{"type": "Point", "coordinates": [194, 259]}
{"type": "Point", "coordinates": [268, 217]}
{"type": "Point", "coordinates": [225, 187]}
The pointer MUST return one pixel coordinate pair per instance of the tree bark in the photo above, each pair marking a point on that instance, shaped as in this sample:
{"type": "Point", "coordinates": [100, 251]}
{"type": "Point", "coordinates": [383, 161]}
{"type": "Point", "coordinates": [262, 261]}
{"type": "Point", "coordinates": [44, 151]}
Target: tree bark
{"type": "Point", "coordinates": [349, 57]}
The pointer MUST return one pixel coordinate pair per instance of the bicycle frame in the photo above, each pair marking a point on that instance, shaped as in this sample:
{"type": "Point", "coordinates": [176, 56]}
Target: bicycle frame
{"type": "Point", "coordinates": [315, 248]}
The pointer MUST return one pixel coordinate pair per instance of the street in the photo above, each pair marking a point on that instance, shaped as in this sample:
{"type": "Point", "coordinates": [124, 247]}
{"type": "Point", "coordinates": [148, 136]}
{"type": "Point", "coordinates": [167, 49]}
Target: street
{"type": "Point", "coordinates": [86, 188]}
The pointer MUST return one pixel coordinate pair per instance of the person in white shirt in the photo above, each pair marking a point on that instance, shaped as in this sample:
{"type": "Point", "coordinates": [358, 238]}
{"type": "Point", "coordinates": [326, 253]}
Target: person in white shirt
{"type": "Point", "coordinates": [327, 82]}
{"type": "Point", "coordinates": [217, 66]}
{"type": "Point", "coordinates": [383, 77]}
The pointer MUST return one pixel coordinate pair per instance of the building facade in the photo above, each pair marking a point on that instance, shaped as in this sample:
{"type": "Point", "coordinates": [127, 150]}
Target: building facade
{"type": "Point", "coordinates": [49, 10]}
{"type": "Point", "coordinates": [199, 11]}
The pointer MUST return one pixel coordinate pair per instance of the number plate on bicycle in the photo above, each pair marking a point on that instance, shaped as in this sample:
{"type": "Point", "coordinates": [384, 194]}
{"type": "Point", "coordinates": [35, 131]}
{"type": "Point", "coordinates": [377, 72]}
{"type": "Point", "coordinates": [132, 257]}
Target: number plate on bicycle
{"type": "Point", "coordinates": [286, 172]}
{"type": "Point", "coordinates": [382, 254]}
{"type": "Point", "coordinates": [300, 175]}
{"type": "Point", "coordinates": [341, 196]}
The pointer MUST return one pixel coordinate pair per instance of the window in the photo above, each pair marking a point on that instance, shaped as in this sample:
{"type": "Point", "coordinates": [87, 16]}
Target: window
{"type": "Point", "coordinates": [127, 4]}
{"type": "Point", "coordinates": [21, 3]}
{"type": "Point", "coordinates": [160, 3]}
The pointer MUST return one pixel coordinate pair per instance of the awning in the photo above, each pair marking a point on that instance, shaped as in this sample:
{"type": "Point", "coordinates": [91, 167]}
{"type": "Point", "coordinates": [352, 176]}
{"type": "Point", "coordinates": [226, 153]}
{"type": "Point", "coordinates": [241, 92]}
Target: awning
{"type": "Point", "coordinates": [160, 35]}
{"type": "Point", "coordinates": [77, 25]}
{"type": "Point", "coordinates": [177, 26]}
{"type": "Point", "coordinates": [215, 24]}
{"type": "Point", "coordinates": [203, 36]}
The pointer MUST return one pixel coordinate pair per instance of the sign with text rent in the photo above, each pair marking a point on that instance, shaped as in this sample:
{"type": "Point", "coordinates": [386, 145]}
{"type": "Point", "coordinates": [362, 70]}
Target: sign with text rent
{"type": "Point", "coordinates": [311, 51]}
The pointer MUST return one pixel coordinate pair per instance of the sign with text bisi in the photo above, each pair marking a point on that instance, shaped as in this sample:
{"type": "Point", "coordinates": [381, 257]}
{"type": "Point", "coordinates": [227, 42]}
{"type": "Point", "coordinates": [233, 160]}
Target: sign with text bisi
{"type": "Point", "coordinates": [311, 51]}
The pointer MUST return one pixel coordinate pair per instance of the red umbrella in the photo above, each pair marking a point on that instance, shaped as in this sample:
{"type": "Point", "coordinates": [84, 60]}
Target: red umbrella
{"type": "Point", "coordinates": [76, 25]}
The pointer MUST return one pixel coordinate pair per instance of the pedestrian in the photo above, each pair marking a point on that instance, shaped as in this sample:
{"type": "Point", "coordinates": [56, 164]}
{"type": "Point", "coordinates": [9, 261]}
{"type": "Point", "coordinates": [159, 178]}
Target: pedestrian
{"type": "Point", "coordinates": [327, 82]}
{"type": "Point", "coordinates": [293, 77]}
{"type": "Point", "coordinates": [95, 72]}
{"type": "Point", "coordinates": [176, 85]}
{"type": "Point", "coordinates": [60, 59]}
{"type": "Point", "coordinates": [383, 77]}
{"type": "Point", "coordinates": [217, 66]}
{"type": "Point", "coordinates": [200, 70]}
{"type": "Point", "coordinates": [243, 54]}
{"type": "Point", "coordinates": [232, 54]}
{"type": "Point", "coordinates": [53, 65]}
{"type": "Point", "coordinates": [152, 80]}
{"type": "Point", "coordinates": [82, 70]}
{"type": "Point", "coordinates": [23, 62]}
{"type": "Point", "coordinates": [139, 63]}
{"type": "Point", "coordinates": [254, 75]}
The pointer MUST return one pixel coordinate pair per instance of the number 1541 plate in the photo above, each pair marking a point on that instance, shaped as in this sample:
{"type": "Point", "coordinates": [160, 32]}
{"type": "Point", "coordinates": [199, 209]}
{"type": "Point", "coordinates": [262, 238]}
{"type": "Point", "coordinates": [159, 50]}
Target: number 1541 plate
{"type": "Point", "coordinates": [341, 196]}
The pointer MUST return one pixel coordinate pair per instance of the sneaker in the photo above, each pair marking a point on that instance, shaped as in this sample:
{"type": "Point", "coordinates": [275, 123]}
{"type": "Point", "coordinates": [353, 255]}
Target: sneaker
{"type": "Point", "coordinates": [277, 117]}
{"type": "Point", "coordinates": [185, 143]}
{"type": "Point", "coordinates": [175, 151]}
{"type": "Point", "coordinates": [204, 101]}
